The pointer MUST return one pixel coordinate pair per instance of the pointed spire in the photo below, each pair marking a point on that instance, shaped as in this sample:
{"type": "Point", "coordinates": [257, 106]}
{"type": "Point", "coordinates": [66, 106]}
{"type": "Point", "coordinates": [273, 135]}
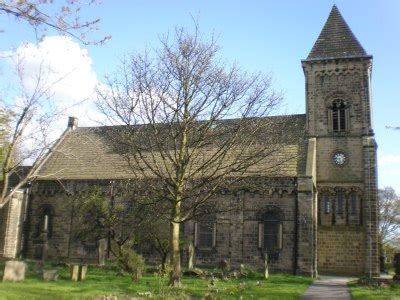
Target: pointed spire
{"type": "Point", "coordinates": [336, 40]}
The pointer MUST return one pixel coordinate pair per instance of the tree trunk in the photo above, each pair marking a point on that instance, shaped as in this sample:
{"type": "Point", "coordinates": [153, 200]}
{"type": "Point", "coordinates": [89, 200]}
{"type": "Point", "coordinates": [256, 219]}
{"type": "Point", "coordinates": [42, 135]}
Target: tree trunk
{"type": "Point", "coordinates": [175, 258]}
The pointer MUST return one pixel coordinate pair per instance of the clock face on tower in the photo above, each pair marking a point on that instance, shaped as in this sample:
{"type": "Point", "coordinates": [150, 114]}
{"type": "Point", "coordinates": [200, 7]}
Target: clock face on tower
{"type": "Point", "coordinates": [339, 158]}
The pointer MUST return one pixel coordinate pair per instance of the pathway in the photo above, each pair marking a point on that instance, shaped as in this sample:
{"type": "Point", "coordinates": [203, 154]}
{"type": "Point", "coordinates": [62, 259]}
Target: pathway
{"type": "Point", "coordinates": [328, 288]}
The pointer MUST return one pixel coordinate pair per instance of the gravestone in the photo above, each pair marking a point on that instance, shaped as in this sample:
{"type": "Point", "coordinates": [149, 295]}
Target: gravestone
{"type": "Point", "coordinates": [50, 275]}
{"type": "Point", "coordinates": [78, 272]}
{"type": "Point", "coordinates": [266, 272]}
{"type": "Point", "coordinates": [102, 251]}
{"type": "Point", "coordinates": [14, 271]}
{"type": "Point", "coordinates": [191, 256]}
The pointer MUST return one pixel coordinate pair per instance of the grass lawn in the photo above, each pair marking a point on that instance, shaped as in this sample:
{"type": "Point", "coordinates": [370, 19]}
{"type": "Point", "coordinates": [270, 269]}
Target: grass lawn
{"type": "Point", "coordinates": [105, 282]}
{"type": "Point", "coordinates": [371, 293]}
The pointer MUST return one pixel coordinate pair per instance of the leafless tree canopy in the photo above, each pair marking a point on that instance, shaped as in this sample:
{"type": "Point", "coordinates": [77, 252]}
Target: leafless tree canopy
{"type": "Point", "coordinates": [389, 215]}
{"type": "Point", "coordinates": [62, 16]}
{"type": "Point", "coordinates": [192, 124]}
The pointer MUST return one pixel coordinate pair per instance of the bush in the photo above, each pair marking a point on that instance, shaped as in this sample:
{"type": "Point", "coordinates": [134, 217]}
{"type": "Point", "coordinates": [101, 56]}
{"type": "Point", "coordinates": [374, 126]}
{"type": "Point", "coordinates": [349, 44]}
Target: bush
{"type": "Point", "coordinates": [131, 262]}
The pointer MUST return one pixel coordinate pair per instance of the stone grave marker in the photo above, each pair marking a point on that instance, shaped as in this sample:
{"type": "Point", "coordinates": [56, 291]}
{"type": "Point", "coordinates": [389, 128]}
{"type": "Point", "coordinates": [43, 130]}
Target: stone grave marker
{"type": "Point", "coordinates": [191, 256]}
{"type": "Point", "coordinates": [14, 271]}
{"type": "Point", "coordinates": [102, 251]}
{"type": "Point", "coordinates": [50, 275]}
{"type": "Point", "coordinates": [78, 272]}
{"type": "Point", "coordinates": [266, 272]}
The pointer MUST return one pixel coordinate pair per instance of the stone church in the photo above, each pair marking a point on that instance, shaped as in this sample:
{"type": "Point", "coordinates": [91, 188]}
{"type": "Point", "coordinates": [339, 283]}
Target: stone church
{"type": "Point", "coordinates": [320, 216]}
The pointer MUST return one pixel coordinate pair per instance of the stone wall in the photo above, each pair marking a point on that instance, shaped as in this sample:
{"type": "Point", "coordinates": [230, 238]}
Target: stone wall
{"type": "Point", "coordinates": [237, 231]}
{"type": "Point", "coordinates": [237, 234]}
{"type": "Point", "coordinates": [341, 250]}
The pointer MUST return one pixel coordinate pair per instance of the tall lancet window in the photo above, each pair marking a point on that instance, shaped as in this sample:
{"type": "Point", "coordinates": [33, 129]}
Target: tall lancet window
{"type": "Point", "coordinates": [270, 235]}
{"type": "Point", "coordinates": [339, 116]}
{"type": "Point", "coordinates": [44, 226]}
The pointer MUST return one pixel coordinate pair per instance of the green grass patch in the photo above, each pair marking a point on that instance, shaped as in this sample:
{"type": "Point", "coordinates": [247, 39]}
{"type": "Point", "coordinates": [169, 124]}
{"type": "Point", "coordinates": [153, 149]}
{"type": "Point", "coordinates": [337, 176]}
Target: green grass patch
{"type": "Point", "coordinates": [391, 292]}
{"type": "Point", "coordinates": [104, 281]}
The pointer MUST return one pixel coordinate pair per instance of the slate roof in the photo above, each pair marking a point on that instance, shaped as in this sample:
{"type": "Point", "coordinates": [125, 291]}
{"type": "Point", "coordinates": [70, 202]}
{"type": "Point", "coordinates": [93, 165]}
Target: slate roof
{"type": "Point", "coordinates": [85, 154]}
{"type": "Point", "coordinates": [336, 40]}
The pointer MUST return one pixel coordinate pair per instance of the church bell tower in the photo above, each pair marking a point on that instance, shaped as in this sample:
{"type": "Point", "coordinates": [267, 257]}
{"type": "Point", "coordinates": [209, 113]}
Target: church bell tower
{"type": "Point", "coordinates": [339, 119]}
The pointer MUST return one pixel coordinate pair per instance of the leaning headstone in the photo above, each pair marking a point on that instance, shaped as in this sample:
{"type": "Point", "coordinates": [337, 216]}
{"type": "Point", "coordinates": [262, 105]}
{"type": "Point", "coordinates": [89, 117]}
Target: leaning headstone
{"type": "Point", "coordinates": [191, 256]}
{"type": "Point", "coordinates": [194, 272]}
{"type": "Point", "coordinates": [50, 275]}
{"type": "Point", "coordinates": [14, 271]}
{"type": "Point", "coordinates": [102, 251]}
{"type": "Point", "coordinates": [396, 265]}
{"type": "Point", "coordinates": [266, 272]}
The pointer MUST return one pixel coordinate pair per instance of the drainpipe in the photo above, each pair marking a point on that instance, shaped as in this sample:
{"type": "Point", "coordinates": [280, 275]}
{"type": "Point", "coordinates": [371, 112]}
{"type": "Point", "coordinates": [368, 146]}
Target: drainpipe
{"type": "Point", "coordinates": [296, 233]}
{"type": "Point", "coordinates": [369, 209]}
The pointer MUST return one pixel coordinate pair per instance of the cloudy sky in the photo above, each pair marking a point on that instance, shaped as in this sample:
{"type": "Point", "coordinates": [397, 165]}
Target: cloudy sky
{"type": "Point", "coordinates": [268, 36]}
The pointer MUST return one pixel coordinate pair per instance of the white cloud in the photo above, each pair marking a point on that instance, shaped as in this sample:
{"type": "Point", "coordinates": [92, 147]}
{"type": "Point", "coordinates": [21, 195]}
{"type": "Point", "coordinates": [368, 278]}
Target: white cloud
{"type": "Point", "coordinates": [388, 159]}
{"type": "Point", "coordinates": [65, 70]}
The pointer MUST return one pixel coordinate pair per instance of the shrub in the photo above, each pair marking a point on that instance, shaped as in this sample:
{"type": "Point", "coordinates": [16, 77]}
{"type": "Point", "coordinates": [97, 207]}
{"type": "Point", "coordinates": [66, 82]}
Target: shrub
{"type": "Point", "coordinates": [131, 262]}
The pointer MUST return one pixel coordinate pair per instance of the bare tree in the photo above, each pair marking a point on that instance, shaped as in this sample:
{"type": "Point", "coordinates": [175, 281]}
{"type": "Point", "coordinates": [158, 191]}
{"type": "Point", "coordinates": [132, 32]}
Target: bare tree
{"type": "Point", "coordinates": [61, 16]}
{"type": "Point", "coordinates": [389, 215]}
{"type": "Point", "coordinates": [193, 125]}
{"type": "Point", "coordinates": [30, 112]}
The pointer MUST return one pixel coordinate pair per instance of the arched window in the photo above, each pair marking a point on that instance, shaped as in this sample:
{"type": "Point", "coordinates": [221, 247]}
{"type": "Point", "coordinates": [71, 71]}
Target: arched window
{"type": "Point", "coordinates": [339, 116]}
{"type": "Point", "coordinates": [270, 232]}
{"type": "Point", "coordinates": [44, 226]}
{"type": "Point", "coordinates": [339, 202]}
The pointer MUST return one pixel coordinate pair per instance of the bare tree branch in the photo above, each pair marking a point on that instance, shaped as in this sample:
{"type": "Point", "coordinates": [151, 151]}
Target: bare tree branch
{"type": "Point", "coordinates": [61, 17]}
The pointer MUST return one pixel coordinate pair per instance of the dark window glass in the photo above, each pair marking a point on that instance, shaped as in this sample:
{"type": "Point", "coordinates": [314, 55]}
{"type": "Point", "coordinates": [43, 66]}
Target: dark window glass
{"type": "Point", "coordinates": [338, 116]}
{"type": "Point", "coordinates": [342, 121]}
{"type": "Point", "coordinates": [272, 232]}
{"type": "Point", "coordinates": [205, 235]}
{"type": "Point", "coordinates": [339, 203]}
{"type": "Point", "coordinates": [353, 204]}
{"type": "Point", "coordinates": [335, 120]}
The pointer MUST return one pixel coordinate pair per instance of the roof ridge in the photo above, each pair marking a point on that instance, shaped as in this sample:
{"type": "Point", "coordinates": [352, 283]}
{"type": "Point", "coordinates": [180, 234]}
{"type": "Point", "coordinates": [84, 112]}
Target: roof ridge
{"type": "Point", "coordinates": [233, 119]}
{"type": "Point", "coordinates": [336, 39]}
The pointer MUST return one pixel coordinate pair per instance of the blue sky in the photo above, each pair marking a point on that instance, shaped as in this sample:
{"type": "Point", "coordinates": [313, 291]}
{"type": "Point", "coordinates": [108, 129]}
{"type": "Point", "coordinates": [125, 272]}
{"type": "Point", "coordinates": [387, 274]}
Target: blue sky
{"type": "Point", "coordinates": [268, 36]}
